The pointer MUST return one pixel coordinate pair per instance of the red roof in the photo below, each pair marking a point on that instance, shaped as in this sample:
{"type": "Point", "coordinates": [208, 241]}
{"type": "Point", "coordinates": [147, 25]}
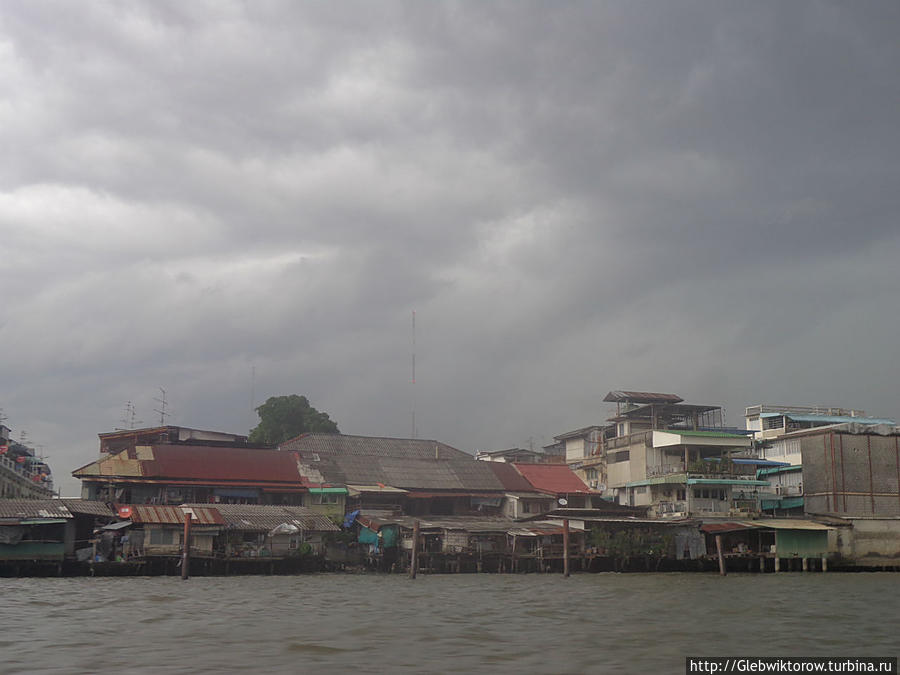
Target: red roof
{"type": "Point", "coordinates": [553, 478]}
{"type": "Point", "coordinates": [511, 479]}
{"type": "Point", "coordinates": [213, 464]}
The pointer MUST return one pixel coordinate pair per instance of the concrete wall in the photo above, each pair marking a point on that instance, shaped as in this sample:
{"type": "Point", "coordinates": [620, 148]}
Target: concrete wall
{"type": "Point", "coordinates": [869, 542]}
{"type": "Point", "coordinates": [851, 474]}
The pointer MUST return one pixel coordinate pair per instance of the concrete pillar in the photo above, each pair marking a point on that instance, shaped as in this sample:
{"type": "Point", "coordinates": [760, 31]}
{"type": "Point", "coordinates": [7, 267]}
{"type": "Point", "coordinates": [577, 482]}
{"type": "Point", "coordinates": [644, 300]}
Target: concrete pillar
{"type": "Point", "coordinates": [777, 563]}
{"type": "Point", "coordinates": [824, 564]}
{"type": "Point", "coordinates": [806, 564]}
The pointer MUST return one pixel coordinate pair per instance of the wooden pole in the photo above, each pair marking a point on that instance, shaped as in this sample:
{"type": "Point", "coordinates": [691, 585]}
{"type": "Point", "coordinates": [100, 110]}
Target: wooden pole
{"type": "Point", "coordinates": [721, 556]}
{"type": "Point", "coordinates": [186, 547]}
{"type": "Point", "coordinates": [566, 548]}
{"type": "Point", "coordinates": [414, 556]}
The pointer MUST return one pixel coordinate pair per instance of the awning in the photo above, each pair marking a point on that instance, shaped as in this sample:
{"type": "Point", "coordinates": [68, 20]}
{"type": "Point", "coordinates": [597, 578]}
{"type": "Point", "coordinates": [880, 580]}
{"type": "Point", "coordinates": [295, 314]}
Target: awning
{"type": "Point", "coordinates": [42, 521]}
{"type": "Point", "coordinates": [117, 526]}
{"type": "Point", "coordinates": [727, 481]}
{"type": "Point", "coordinates": [749, 460]}
{"type": "Point", "coordinates": [235, 492]}
{"type": "Point", "coordinates": [374, 489]}
{"type": "Point", "coordinates": [782, 503]}
{"type": "Point", "coordinates": [328, 490]}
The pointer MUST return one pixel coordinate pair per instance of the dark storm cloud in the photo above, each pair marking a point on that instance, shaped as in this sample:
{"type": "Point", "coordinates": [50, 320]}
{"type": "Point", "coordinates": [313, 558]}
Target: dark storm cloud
{"type": "Point", "coordinates": [696, 197]}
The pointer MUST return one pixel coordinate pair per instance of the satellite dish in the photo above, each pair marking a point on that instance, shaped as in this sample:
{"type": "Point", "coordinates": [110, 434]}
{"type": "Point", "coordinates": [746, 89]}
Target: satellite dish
{"type": "Point", "coordinates": [563, 501]}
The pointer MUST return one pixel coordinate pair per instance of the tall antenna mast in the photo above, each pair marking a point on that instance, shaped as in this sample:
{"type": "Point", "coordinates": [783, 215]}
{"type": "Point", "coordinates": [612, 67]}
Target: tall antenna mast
{"type": "Point", "coordinates": [162, 408]}
{"type": "Point", "coordinates": [414, 374]}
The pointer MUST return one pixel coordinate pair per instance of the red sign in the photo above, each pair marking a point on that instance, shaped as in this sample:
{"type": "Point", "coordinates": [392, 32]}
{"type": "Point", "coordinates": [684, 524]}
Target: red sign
{"type": "Point", "coordinates": [4, 449]}
{"type": "Point", "coordinates": [124, 512]}
{"type": "Point", "coordinates": [20, 459]}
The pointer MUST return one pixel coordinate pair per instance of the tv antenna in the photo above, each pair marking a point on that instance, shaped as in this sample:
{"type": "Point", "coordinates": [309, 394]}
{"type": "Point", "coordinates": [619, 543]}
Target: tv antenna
{"type": "Point", "coordinates": [162, 408]}
{"type": "Point", "coordinates": [129, 418]}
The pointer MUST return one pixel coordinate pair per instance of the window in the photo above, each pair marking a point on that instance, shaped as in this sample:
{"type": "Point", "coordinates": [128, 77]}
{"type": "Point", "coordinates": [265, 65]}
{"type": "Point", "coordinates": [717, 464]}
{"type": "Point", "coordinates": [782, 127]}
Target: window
{"type": "Point", "coordinates": [326, 498]}
{"type": "Point", "coordinates": [160, 537]}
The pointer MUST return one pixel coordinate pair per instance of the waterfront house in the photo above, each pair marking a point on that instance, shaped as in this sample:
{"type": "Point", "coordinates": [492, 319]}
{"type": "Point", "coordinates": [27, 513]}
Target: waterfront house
{"type": "Point", "coordinates": [412, 476]}
{"type": "Point", "coordinates": [158, 530]}
{"type": "Point", "coordinates": [790, 543]}
{"type": "Point", "coordinates": [270, 531]}
{"type": "Point", "coordinates": [172, 474]}
{"type": "Point", "coordinates": [33, 530]}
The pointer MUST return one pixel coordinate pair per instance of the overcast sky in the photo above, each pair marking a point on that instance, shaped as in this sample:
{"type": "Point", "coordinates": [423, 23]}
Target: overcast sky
{"type": "Point", "coordinates": [235, 200]}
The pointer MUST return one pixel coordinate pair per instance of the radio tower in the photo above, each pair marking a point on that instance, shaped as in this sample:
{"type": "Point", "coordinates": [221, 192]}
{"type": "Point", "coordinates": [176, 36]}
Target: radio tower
{"type": "Point", "coordinates": [414, 374]}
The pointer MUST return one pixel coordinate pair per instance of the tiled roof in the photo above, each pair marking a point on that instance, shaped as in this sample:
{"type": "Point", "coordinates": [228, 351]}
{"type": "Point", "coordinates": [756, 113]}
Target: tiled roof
{"type": "Point", "coordinates": [262, 518]}
{"type": "Point", "coordinates": [26, 509]}
{"type": "Point", "coordinates": [369, 446]}
{"type": "Point", "coordinates": [553, 478]}
{"type": "Point", "coordinates": [509, 477]}
{"type": "Point", "coordinates": [422, 474]}
{"type": "Point", "coordinates": [401, 463]}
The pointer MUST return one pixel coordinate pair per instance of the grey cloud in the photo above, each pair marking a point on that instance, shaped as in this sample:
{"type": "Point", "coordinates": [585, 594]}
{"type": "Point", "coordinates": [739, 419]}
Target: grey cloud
{"type": "Point", "coordinates": [697, 197]}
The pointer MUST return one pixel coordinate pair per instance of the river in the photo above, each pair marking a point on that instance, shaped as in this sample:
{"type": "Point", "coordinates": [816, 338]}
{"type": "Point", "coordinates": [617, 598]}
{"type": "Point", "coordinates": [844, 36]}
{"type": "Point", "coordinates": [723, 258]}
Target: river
{"type": "Point", "coordinates": [590, 623]}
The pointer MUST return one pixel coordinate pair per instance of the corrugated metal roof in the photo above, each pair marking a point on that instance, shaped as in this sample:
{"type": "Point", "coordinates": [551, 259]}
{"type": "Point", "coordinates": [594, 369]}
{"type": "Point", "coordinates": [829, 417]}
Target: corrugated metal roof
{"type": "Point", "coordinates": [832, 419]}
{"type": "Point", "coordinates": [790, 524]}
{"type": "Point", "coordinates": [24, 509]}
{"type": "Point", "coordinates": [721, 528]}
{"type": "Point", "coordinates": [554, 478]}
{"type": "Point", "coordinates": [174, 515]}
{"type": "Point", "coordinates": [368, 446]}
{"type": "Point", "coordinates": [765, 523]}
{"type": "Point", "coordinates": [620, 396]}
{"type": "Point", "coordinates": [87, 507]}
{"type": "Point", "coordinates": [264, 518]}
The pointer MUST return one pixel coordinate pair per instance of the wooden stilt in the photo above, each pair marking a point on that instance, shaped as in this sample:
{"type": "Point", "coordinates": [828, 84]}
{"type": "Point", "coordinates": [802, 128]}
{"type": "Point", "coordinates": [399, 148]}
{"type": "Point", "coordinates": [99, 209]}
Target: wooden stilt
{"type": "Point", "coordinates": [566, 548]}
{"type": "Point", "coordinates": [186, 547]}
{"type": "Point", "coordinates": [720, 554]}
{"type": "Point", "coordinates": [414, 555]}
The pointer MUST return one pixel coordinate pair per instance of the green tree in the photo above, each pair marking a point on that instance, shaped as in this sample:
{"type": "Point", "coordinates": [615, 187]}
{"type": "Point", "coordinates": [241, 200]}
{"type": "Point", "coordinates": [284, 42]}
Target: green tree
{"type": "Point", "coordinates": [284, 417]}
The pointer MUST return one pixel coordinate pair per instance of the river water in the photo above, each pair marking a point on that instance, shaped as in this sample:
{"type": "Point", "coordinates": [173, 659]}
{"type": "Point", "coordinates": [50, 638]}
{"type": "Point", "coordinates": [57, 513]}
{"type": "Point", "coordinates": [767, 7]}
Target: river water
{"type": "Point", "coordinates": [590, 623]}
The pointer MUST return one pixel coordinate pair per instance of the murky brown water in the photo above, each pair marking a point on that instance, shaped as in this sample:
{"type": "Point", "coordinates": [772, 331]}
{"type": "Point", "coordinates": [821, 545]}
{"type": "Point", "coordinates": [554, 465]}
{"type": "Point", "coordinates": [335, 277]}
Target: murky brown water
{"type": "Point", "coordinates": [590, 623]}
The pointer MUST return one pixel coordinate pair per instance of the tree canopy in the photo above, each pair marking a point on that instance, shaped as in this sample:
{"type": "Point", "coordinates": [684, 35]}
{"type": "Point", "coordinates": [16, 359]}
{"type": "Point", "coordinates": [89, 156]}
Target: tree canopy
{"type": "Point", "coordinates": [284, 417]}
